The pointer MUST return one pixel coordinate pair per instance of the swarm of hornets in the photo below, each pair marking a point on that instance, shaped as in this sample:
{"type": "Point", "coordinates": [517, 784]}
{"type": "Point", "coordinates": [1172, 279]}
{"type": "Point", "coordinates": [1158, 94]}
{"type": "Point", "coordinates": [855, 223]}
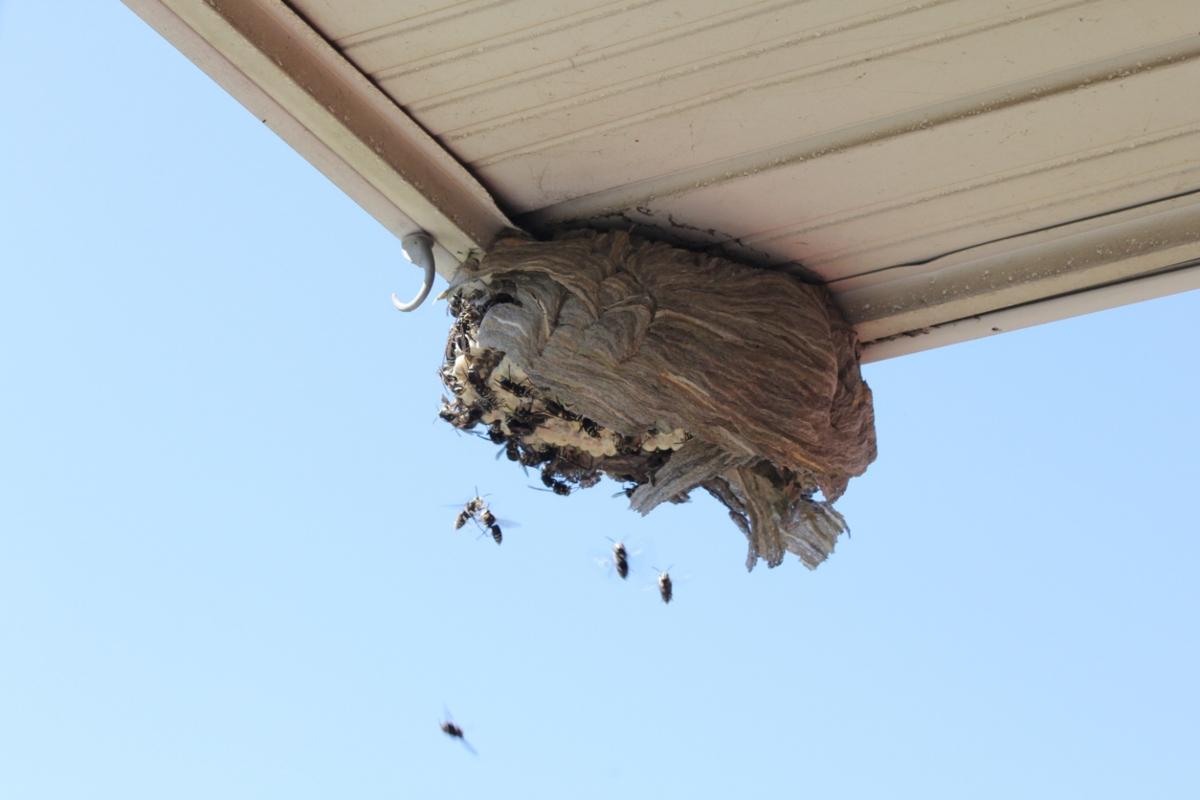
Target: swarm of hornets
{"type": "Point", "coordinates": [535, 431]}
{"type": "Point", "coordinates": [493, 398]}
{"type": "Point", "coordinates": [476, 509]}
{"type": "Point", "coordinates": [569, 450]}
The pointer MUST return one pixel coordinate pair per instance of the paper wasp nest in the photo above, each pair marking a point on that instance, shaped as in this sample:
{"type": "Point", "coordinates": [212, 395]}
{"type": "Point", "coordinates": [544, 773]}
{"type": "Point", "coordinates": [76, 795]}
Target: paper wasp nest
{"type": "Point", "coordinates": [668, 370]}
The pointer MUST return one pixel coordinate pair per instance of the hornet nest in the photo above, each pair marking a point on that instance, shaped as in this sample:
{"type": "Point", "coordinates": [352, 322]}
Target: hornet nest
{"type": "Point", "coordinates": [602, 354]}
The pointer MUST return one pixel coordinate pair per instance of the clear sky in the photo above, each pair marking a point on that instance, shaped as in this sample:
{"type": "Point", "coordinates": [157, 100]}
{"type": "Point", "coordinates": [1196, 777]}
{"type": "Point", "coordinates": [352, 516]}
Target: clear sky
{"type": "Point", "coordinates": [226, 568]}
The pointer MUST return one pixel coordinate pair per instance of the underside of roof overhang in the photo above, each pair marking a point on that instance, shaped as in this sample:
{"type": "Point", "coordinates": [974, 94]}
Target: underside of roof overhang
{"type": "Point", "coordinates": [949, 169]}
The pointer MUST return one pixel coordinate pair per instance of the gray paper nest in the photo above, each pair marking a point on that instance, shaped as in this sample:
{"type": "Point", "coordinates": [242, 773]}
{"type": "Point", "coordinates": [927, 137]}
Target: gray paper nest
{"type": "Point", "coordinates": [668, 370]}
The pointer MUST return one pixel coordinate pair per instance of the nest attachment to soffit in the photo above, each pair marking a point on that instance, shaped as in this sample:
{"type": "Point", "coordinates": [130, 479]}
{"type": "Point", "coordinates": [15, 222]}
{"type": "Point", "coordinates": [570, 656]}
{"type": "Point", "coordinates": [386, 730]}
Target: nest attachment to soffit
{"type": "Point", "coordinates": [598, 353]}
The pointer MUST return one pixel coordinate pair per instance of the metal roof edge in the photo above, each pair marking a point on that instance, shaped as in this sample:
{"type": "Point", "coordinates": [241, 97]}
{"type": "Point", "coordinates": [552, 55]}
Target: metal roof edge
{"type": "Point", "coordinates": [1182, 278]}
{"type": "Point", "coordinates": [1140, 253]}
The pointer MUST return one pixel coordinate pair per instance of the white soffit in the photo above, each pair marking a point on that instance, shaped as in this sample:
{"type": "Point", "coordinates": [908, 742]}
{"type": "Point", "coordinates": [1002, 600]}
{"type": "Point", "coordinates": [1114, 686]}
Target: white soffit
{"type": "Point", "coordinates": [950, 168]}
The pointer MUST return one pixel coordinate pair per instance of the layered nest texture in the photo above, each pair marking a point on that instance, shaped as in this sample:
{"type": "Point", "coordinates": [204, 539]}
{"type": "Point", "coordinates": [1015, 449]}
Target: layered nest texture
{"type": "Point", "coordinates": [668, 370]}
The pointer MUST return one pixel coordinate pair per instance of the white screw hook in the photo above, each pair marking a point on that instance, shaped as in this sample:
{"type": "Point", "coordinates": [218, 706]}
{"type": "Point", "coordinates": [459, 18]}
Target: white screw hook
{"type": "Point", "coordinates": [419, 249]}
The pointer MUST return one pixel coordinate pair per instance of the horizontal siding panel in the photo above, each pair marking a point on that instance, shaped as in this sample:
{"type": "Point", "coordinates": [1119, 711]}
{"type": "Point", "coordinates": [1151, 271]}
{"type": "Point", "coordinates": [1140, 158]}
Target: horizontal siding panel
{"type": "Point", "coordinates": [608, 56]}
{"type": "Point", "coordinates": [1109, 135]}
{"type": "Point", "coordinates": [810, 114]}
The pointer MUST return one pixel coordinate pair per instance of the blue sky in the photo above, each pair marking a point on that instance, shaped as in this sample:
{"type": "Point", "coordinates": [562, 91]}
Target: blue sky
{"type": "Point", "coordinates": [226, 568]}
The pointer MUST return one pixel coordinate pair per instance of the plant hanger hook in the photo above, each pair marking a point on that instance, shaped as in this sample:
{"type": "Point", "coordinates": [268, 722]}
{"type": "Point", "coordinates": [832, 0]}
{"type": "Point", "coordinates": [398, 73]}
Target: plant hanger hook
{"type": "Point", "coordinates": [419, 249]}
